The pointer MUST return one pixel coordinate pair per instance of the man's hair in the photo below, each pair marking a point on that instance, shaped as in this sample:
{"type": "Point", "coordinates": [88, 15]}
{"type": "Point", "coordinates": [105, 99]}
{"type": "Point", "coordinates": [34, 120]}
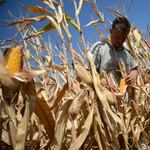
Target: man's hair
{"type": "Point", "coordinates": [121, 24]}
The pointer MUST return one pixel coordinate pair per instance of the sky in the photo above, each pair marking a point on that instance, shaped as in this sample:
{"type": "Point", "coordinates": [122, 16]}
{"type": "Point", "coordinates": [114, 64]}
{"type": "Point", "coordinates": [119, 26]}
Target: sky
{"type": "Point", "coordinates": [138, 15]}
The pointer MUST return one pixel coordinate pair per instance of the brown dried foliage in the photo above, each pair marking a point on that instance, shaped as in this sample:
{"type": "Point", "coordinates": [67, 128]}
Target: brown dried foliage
{"type": "Point", "coordinates": [76, 113]}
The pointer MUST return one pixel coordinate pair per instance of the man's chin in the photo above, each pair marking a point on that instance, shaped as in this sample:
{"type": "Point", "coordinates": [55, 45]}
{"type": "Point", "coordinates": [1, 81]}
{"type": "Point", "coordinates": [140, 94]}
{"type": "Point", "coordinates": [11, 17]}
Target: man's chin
{"type": "Point", "coordinates": [117, 46]}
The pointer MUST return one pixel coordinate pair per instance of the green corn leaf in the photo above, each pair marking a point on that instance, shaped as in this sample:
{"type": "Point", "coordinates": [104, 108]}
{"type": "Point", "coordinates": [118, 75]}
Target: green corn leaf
{"type": "Point", "coordinates": [46, 28]}
{"type": "Point", "coordinates": [137, 43]}
{"type": "Point", "coordinates": [73, 23]}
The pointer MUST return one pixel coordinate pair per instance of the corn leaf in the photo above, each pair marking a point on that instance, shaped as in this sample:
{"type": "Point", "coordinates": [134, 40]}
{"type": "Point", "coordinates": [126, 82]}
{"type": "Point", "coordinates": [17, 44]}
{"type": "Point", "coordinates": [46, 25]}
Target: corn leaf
{"type": "Point", "coordinates": [46, 28]}
{"type": "Point", "coordinates": [23, 128]}
{"type": "Point", "coordinates": [85, 130]}
{"type": "Point", "coordinates": [61, 120]}
{"type": "Point", "coordinates": [44, 113]}
{"type": "Point", "coordinates": [79, 8]}
{"type": "Point", "coordinates": [38, 10]}
{"type": "Point", "coordinates": [73, 23]}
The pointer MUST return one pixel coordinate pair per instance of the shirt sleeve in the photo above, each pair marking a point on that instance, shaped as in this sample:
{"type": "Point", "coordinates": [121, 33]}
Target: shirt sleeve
{"type": "Point", "coordinates": [133, 63]}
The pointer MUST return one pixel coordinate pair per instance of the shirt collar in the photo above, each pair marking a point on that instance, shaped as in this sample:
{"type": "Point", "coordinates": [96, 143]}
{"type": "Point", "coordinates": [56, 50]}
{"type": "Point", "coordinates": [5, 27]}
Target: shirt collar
{"type": "Point", "coordinates": [120, 48]}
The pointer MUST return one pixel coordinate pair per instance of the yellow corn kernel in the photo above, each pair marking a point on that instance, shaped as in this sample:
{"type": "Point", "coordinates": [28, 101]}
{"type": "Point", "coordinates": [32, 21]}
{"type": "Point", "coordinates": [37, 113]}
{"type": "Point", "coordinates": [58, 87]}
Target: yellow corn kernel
{"type": "Point", "coordinates": [14, 64]}
{"type": "Point", "coordinates": [122, 85]}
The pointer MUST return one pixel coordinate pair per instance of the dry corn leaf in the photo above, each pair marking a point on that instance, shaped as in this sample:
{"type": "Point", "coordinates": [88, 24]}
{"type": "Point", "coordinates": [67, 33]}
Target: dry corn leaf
{"type": "Point", "coordinates": [61, 120]}
{"type": "Point", "coordinates": [27, 75]}
{"type": "Point", "coordinates": [101, 35]}
{"type": "Point", "coordinates": [2, 119]}
{"type": "Point", "coordinates": [115, 142]}
{"type": "Point", "coordinates": [62, 5]}
{"type": "Point", "coordinates": [69, 36]}
{"type": "Point", "coordinates": [101, 95]}
{"type": "Point", "coordinates": [112, 78]}
{"type": "Point", "coordinates": [57, 27]}
{"type": "Point", "coordinates": [29, 90]}
{"type": "Point", "coordinates": [85, 130]}
{"type": "Point", "coordinates": [124, 133]}
{"type": "Point", "coordinates": [122, 67]}
{"type": "Point", "coordinates": [60, 95]}
{"type": "Point", "coordinates": [59, 15]}
{"type": "Point", "coordinates": [44, 113]}
{"type": "Point", "coordinates": [39, 18]}
{"type": "Point", "coordinates": [49, 4]}
{"type": "Point", "coordinates": [38, 10]}
{"type": "Point", "coordinates": [77, 103]}
{"type": "Point", "coordinates": [5, 77]}
{"type": "Point", "coordinates": [7, 53]}
{"type": "Point", "coordinates": [54, 93]}
{"type": "Point", "coordinates": [23, 128]}
{"type": "Point", "coordinates": [93, 22]}
{"type": "Point", "coordinates": [137, 37]}
{"type": "Point", "coordinates": [79, 8]}
{"type": "Point", "coordinates": [13, 133]}
{"type": "Point", "coordinates": [130, 45]}
{"type": "Point", "coordinates": [113, 146]}
{"type": "Point", "coordinates": [68, 76]}
{"type": "Point", "coordinates": [1, 57]}
{"type": "Point", "coordinates": [11, 113]}
{"type": "Point", "coordinates": [75, 86]}
{"type": "Point", "coordinates": [102, 132]}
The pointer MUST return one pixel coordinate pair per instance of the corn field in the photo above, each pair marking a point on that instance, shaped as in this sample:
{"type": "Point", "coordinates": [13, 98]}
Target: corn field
{"type": "Point", "coordinates": [45, 105]}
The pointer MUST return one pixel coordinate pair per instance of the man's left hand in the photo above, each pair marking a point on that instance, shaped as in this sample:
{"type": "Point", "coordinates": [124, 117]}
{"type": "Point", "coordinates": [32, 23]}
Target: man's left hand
{"type": "Point", "coordinates": [131, 78]}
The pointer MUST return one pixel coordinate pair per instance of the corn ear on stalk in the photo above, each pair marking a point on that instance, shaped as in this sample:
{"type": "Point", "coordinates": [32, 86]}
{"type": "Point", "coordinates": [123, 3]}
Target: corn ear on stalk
{"type": "Point", "coordinates": [122, 85]}
{"type": "Point", "coordinates": [83, 74]}
{"type": "Point", "coordinates": [15, 61]}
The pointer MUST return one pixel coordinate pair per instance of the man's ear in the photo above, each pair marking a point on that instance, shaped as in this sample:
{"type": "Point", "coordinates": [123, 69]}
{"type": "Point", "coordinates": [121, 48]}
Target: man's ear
{"type": "Point", "coordinates": [110, 30]}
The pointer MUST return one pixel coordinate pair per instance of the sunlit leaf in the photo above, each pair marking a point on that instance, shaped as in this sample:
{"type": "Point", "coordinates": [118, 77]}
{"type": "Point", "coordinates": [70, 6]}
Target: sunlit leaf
{"type": "Point", "coordinates": [60, 125]}
{"type": "Point", "coordinates": [73, 23]}
{"type": "Point", "coordinates": [46, 28]}
{"type": "Point", "coordinates": [38, 10]}
{"type": "Point", "coordinates": [44, 113]}
{"type": "Point", "coordinates": [79, 7]}
{"type": "Point", "coordinates": [85, 130]}
{"type": "Point", "coordinates": [23, 128]}
{"type": "Point", "coordinates": [5, 77]}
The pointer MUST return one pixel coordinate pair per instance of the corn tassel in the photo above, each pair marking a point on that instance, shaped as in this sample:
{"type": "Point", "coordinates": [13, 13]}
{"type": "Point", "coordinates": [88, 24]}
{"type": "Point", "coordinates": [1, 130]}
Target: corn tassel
{"type": "Point", "coordinates": [14, 64]}
{"type": "Point", "coordinates": [122, 85]}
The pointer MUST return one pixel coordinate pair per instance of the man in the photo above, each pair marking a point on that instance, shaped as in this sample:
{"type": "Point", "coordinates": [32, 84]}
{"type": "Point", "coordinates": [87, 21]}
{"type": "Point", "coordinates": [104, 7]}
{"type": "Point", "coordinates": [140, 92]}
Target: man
{"type": "Point", "coordinates": [105, 58]}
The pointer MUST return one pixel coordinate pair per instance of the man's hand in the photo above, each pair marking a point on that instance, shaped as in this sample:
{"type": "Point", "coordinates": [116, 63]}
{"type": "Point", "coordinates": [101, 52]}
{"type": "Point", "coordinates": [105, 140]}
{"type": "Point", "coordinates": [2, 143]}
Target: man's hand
{"type": "Point", "coordinates": [104, 83]}
{"type": "Point", "coordinates": [131, 78]}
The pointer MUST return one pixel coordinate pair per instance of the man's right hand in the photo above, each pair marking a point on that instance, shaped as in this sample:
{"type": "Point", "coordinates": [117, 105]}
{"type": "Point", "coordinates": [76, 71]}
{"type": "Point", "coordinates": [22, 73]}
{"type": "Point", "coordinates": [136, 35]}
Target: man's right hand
{"type": "Point", "coordinates": [103, 82]}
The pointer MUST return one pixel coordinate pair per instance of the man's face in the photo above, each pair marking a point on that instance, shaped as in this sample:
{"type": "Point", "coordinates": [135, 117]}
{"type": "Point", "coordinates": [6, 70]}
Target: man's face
{"type": "Point", "coordinates": [118, 38]}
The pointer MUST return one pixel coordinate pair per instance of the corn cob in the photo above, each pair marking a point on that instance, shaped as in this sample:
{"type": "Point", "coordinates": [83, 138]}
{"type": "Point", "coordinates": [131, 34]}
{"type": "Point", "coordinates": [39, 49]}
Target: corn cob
{"type": "Point", "coordinates": [14, 64]}
{"type": "Point", "coordinates": [122, 85]}
{"type": "Point", "coordinates": [83, 74]}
